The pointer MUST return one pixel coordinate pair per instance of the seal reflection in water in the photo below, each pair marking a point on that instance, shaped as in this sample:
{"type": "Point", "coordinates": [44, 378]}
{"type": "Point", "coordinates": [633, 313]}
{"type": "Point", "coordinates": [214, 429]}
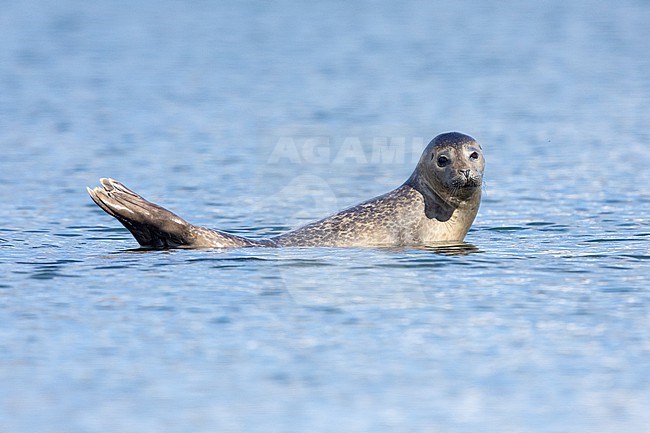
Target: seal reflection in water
{"type": "Point", "coordinates": [438, 203]}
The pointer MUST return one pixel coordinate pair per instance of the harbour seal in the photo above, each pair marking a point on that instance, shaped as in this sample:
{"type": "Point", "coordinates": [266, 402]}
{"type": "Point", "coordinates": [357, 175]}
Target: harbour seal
{"type": "Point", "coordinates": [438, 203]}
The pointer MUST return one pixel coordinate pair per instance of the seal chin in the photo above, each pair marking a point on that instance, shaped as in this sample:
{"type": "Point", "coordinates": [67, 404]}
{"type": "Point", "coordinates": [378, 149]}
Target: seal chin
{"type": "Point", "coordinates": [472, 183]}
{"type": "Point", "coordinates": [464, 188]}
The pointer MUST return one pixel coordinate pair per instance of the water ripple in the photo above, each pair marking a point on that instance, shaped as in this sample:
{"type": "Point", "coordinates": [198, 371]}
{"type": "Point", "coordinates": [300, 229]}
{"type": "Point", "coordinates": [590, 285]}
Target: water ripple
{"type": "Point", "coordinates": [507, 229]}
{"type": "Point", "coordinates": [608, 240]}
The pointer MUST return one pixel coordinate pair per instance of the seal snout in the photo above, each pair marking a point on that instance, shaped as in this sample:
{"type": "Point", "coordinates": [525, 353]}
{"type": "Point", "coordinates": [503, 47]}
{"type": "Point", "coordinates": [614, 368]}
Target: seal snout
{"type": "Point", "coordinates": [466, 179]}
{"type": "Point", "coordinates": [471, 180]}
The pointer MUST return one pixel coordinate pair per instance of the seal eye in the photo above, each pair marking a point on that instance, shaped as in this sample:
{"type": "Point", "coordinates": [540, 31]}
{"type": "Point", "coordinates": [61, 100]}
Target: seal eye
{"type": "Point", "coordinates": [442, 161]}
{"type": "Point", "coordinates": [474, 155]}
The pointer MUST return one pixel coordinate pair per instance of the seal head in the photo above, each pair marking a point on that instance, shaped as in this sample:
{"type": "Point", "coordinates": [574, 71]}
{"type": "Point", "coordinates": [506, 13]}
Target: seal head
{"type": "Point", "coordinates": [452, 167]}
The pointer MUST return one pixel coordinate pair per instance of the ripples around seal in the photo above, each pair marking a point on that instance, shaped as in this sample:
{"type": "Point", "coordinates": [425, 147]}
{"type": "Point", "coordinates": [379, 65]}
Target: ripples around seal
{"type": "Point", "coordinates": [552, 246]}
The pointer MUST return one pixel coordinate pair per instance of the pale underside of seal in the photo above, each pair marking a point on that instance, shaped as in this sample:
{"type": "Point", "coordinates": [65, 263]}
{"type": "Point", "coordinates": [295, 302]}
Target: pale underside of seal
{"type": "Point", "coordinates": [437, 204]}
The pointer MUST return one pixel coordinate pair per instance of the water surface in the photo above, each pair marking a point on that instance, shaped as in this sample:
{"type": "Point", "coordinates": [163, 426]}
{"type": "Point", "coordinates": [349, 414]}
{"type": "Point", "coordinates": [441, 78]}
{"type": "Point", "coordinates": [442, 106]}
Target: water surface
{"type": "Point", "coordinates": [257, 117]}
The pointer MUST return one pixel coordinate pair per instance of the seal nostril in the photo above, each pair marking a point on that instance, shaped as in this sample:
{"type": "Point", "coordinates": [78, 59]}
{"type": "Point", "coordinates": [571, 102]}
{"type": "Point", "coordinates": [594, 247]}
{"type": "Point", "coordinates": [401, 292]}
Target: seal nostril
{"type": "Point", "coordinates": [465, 172]}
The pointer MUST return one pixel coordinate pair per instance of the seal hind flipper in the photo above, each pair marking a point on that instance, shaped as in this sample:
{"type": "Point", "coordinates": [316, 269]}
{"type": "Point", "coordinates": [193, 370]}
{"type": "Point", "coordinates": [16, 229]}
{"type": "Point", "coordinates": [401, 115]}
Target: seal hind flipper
{"type": "Point", "coordinates": [152, 225]}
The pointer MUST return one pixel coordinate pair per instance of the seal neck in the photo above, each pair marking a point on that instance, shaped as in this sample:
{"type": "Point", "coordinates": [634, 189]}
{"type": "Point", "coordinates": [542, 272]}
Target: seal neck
{"type": "Point", "coordinates": [435, 206]}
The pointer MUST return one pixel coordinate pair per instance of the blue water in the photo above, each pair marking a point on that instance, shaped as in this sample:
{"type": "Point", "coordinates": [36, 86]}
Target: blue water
{"type": "Point", "coordinates": [255, 117]}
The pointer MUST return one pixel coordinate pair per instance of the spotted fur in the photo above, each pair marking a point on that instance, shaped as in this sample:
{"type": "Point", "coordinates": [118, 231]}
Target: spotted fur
{"type": "Point", "coordinates": [438, 203]}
